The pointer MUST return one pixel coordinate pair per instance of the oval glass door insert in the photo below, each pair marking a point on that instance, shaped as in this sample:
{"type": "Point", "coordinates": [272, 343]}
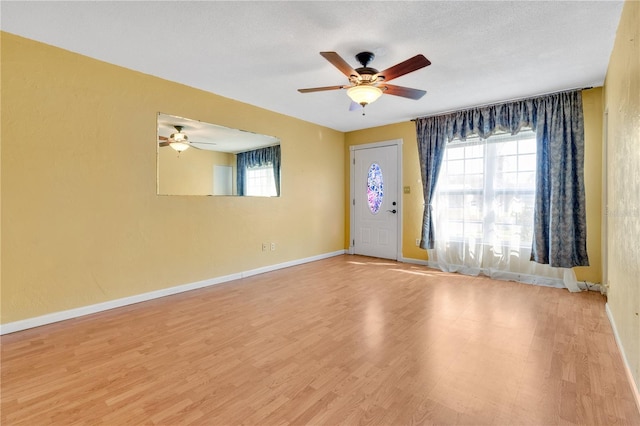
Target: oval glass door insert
{"type": "Point", "coordinates": [375, 188]}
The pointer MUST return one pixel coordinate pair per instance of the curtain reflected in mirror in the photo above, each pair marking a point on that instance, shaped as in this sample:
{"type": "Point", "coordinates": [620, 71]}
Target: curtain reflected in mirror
{"type": "Point", "coordinates": [198, 158]}
{"type": "Point", "coordinates": [259, 172]}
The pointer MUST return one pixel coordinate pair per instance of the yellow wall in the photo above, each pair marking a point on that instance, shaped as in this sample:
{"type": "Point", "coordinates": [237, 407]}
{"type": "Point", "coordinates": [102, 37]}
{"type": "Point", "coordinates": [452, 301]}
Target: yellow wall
{"type": "Point", "coordinates": [413, 202]}
{"type": "Point", "coordinates": [191, 171]}
{"type": "Point", "coordinates": [592, 108]}
{"type": "Point", "coordinates": [622, 101]}
{"type": "Point", "coordinates": [81, 221]}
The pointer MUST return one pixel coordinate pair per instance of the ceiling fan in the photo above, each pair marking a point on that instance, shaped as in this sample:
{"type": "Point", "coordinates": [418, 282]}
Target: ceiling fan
{"type": "Point", "coordinates": [367, 84]}
{"type": "Point", "coordinates": [179, 140]}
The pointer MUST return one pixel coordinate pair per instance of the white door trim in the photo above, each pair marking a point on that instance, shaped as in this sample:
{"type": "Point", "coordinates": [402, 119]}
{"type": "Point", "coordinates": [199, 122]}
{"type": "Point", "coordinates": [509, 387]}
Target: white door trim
{"type": "Point", "coordinates": [352, 148]}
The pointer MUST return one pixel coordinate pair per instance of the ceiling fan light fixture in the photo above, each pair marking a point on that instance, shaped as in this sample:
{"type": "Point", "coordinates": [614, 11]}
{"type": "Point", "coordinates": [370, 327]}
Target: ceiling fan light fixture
{"type": "Point", "coordinates": [179, 141]}
{"type": "Point", "coordinates": [364, 94]}
{"type": "Point", "coordinates": [179, 146]}
{"type": "Point", "coordinates": [179, 137]}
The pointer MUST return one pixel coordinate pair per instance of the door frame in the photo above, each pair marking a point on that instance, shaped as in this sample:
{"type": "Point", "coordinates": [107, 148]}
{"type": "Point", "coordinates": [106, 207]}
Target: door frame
{"type": "Point", "coordinates": [352, 160]}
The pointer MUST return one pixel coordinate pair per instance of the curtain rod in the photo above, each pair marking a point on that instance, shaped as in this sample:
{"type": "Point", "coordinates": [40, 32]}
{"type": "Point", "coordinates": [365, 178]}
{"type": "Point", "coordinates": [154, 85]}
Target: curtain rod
{"type": "Point", "coordinates": [499, 103]}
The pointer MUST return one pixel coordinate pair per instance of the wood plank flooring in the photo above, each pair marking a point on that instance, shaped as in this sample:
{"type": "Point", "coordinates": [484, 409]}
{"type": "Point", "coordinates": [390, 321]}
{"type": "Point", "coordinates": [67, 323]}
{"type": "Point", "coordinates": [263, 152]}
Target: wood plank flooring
{"type": "Point", "coordinates": [346, 340]}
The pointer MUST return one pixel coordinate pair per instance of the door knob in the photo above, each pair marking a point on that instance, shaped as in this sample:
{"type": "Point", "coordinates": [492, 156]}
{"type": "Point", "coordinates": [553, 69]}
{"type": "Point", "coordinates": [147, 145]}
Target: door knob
{"type": "Point", "coordinates": [392, 211]}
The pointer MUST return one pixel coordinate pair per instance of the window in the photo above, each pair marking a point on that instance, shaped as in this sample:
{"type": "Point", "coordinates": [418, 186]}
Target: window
{"type": "Point", "coordinates": [483, 209]}
{"type": "Point", "coordinates": [485, 190]}
{"type": "Point", "coordinates": [260, 181]}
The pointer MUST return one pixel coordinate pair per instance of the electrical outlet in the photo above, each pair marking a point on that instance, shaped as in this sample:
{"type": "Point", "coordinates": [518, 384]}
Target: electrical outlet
{"type": "Point", "coordinates": [273, 246]}
{"type": "Point", "coordinates": [265, 246]}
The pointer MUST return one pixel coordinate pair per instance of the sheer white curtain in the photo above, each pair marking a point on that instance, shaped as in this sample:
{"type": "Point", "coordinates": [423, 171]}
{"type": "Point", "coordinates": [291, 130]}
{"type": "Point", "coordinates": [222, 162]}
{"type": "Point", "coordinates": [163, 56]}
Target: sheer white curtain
{"type": "Point", "coordinates": [483, 210]}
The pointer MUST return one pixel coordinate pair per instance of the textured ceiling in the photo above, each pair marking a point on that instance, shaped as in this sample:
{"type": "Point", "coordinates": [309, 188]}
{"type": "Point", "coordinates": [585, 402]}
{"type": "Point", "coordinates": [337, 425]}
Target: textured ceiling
{"type": "Point", "coordinates": [262, 52]}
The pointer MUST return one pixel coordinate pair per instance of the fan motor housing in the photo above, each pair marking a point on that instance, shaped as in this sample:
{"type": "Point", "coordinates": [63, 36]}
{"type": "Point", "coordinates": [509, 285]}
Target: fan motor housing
{"type": "Point", "coordinates": [367, 70]}
{"type": "Point", "coordinates": [367, 74]}
{"type": "Point", "coordinates": [365, 57]}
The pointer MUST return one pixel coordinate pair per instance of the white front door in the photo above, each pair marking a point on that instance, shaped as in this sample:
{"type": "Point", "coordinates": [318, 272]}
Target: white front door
{"type": "Point", "coordinates": [375, 202]}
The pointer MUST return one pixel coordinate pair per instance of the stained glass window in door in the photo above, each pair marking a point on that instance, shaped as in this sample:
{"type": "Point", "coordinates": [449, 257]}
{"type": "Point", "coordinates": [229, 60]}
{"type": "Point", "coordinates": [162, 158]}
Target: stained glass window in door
{"type": "Point", "coordinates": [375, 188]}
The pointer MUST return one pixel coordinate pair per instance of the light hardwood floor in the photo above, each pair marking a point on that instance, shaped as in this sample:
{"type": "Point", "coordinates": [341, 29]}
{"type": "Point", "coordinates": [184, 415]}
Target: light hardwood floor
{"type": "Point", "coordinates": [346, 340]}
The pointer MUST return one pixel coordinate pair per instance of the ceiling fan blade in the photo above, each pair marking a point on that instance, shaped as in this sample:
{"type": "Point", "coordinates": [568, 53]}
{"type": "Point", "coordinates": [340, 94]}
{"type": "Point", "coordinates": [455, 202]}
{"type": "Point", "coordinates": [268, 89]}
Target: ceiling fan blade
{"type": "Point", "coordinates": [320, 89]}
{"type": "Point", "coordinates": [405, 92]}
{"type": "Point", "coordinates": [405, 67]}
{"type": "Point", "coordinates": [203, 145]}
{"type": "Point", "coordinates": [163, 138]}
{"type": "Point", "coordinates": [163, 144]}
{"type": "Point", "coordinates": [337, 61]}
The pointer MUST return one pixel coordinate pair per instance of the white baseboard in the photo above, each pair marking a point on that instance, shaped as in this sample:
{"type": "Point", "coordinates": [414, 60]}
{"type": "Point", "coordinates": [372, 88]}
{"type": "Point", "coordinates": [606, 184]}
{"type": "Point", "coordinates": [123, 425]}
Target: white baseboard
{"type": "Point", "coordinates": [12, 327]}
{"type": "Point", "coordinates": [589, 286]}
{"type": "Point", "coordinates": [627, 367]}
{"type": "Point", "coordinates": [428, 263]}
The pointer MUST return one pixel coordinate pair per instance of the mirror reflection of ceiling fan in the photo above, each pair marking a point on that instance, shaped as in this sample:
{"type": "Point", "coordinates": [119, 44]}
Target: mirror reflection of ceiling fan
{"type": "Point", "coordinates": [179, 140]}
{"type": "Point", "coordinates": [367, 84]}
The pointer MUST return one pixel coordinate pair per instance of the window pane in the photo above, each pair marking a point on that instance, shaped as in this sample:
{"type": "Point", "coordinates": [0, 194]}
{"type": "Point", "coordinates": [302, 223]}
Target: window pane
{"type": "Point", "coordinates": [527, 180]}
{"type": "Point", "coordinates": [474, 151]}
{"type": "Point", "coordinates": [526, 162]}
{"type": "Point", "coordinates": [527, 146]}
{"type": "Point", "coordinates": [474, 166]}
{"type": "Point", "coordinates": [474, 181]}
{"type": "Point", "coordinates": [506, 148]}
{"type": "Point", "coordinates": [455, 167]}
{"type": "Point", "coordinates": [455, 153]}
{"type": "Point", "coordinates": [506, 180]}
{"type": "Point", "coordinates": [260, 181]}
{"type": "Point", "coordinates": [508, 164]}
{"type": "Point", "coordinates": [473, 210]}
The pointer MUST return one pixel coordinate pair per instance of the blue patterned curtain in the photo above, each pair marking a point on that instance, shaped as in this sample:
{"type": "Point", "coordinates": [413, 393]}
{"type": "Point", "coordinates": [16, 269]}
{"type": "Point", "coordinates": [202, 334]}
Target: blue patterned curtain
{"type": "Point", "coordinates": [431, 145]}
{"type": "Point", "coordinates": [276, 167]}
{"type": "Point", "coordinates": [560, 214]}
{"type": "Point", "coordinates": [269, 156]}
{"type": "Point", "coordinates": [559, 221]}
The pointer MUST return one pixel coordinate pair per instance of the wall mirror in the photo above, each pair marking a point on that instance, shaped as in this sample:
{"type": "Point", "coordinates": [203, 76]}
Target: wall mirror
{"type": "Point", "coordinates": [198, 158]}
